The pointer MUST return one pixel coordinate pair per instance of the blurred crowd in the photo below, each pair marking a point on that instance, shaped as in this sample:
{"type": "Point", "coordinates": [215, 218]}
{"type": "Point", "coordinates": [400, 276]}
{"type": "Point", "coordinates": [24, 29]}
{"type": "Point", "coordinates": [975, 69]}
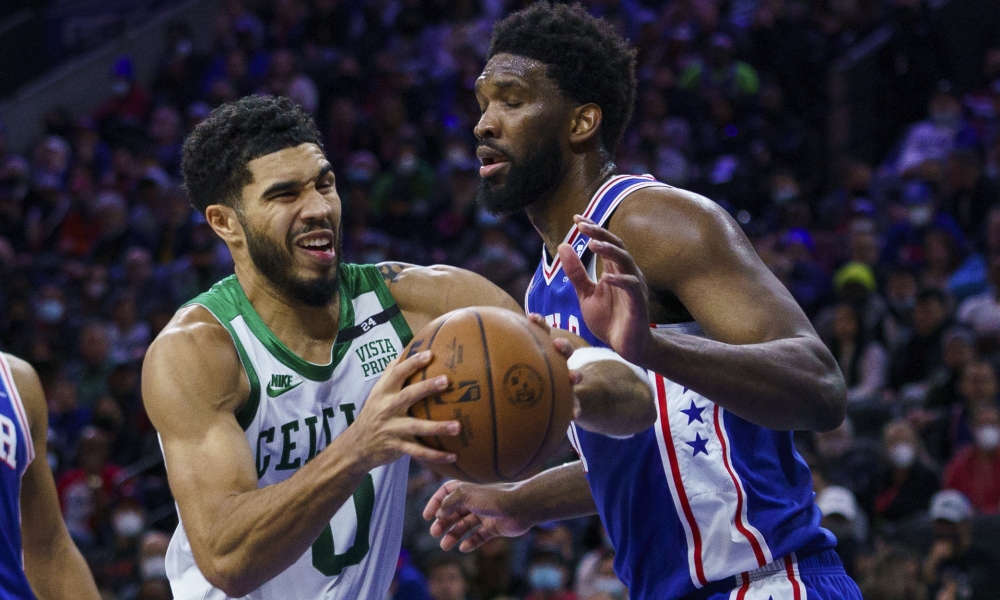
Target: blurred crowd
{"type": "Point", "coordinates": [879, 212]}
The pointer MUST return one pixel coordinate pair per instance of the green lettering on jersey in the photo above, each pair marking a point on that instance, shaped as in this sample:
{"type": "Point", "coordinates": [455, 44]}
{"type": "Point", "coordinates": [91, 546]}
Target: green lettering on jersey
{"type": "Point", "coordinates": [266, 436]}
{"type": "Point", "coordinates": [324, 555]}
{"type": "Point", "coordinates": [375, 356]}
{"type": "Point", "coordinates": [287, 445]}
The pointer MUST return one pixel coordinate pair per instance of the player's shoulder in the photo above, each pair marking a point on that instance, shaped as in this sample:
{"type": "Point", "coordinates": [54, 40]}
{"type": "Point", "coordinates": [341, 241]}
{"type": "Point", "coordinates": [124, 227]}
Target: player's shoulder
{"type": "Point", "coordinates": [192, 337]}
{"type": "Point", "coordinates": [194, 356]}
{"type": "Point", "coordinates": [665, 215]}
{"type": "Point", "coordinates": [29, 388]}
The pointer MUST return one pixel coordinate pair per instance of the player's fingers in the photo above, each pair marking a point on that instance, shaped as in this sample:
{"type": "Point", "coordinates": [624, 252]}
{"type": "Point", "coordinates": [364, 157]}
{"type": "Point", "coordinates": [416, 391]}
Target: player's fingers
{"type": "Point", "coordinates": [563, 347]}
{"type": "Point", "coordinates": [423, 428]}
{"type": "Point", "coordinates": [422, 389]}
{"type": "Point", "coordinates": [397, 373]}
{"type": "Point", "coordinates": [442, 525]}
{"type": "Point", "coordinates": [425, 454]}
{"type": "Point", "coordinates": [539, 320]}
{"type": "Point", "coordinates": [575, 271]}
{"type": "Point", "coordinates": [465, 525]}
{"type": "Point", "coordinates": [634, 286]}
{"type": "Point", "coordinates": [596, 232]}
{"type": "Point", "coordinates": [435, 502]}
{"type": "Point", "coordinates": [613, 256]}
{"type": "Point", "coordinates": [476, 540]}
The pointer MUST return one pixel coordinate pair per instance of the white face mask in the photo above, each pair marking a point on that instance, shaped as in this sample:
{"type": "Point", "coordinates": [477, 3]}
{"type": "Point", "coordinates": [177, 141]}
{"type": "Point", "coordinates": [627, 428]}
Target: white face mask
{"type": "Point", "coordinates": [128, 524]}
{"type": "Point", "coordinates": [921, 215]}
{"type": "Point", "coordinates": [988, 437]}
{"type": "Point", "coordinates": [902, 455]}
{"type": "Point", "coordinates": [154, 566]}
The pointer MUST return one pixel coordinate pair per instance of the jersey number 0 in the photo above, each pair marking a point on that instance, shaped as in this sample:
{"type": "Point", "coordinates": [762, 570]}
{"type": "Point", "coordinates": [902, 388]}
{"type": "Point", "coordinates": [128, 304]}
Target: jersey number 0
{"type": "Point", "coordinates": [325, 557]}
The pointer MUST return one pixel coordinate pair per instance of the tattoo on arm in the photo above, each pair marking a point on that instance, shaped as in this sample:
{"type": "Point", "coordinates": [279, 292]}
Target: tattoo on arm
{"type": "Point", "coordinates": [390, 270]}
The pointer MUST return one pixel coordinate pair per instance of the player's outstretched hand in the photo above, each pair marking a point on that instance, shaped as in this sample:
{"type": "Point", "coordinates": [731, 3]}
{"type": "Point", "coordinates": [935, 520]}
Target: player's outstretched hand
{"type": "Point", "coordinates": [616, 306]}
{"type": "Point", "coordinates": [384, 429]}
{"type": "Point", "coordinates": [470, 514]}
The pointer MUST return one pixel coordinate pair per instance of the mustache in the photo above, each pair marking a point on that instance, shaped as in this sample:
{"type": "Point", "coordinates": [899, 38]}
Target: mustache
{"type": "Point", "coordinates": [316, 225]}
{"type": "Point", "coordinates": [492, 145]}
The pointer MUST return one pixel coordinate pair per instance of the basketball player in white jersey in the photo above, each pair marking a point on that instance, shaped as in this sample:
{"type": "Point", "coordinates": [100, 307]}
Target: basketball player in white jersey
{"type": "Point", "coordinates": [278, 395]}
{"type": "Point", "coordinates": [36, 548]}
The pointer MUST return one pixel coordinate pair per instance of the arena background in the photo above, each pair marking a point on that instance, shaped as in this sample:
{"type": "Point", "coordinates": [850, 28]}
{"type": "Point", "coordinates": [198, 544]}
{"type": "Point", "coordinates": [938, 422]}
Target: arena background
{"type": "Point", "coordinates": [856, 141]}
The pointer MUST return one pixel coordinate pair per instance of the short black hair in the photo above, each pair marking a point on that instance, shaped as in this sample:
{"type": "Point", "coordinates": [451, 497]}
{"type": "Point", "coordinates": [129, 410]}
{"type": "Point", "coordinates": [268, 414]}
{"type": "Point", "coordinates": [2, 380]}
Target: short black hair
{"type": "Point", "coordinates": [216, 155]}
{"type": "Point", "coordinates": [584, 55]}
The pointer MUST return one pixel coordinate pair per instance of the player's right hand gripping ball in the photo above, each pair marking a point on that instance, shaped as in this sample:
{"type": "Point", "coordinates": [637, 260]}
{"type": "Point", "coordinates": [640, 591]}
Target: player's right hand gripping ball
{"type": "Point", "coordinates": [510, 390]}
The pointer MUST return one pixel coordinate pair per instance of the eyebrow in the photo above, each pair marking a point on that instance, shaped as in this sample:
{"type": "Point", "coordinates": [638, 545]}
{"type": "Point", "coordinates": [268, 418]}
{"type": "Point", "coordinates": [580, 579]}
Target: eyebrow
{"type": "Point", "coordinates": [502, 83]}
{"type": "Point", "coordinates": [291, 185]}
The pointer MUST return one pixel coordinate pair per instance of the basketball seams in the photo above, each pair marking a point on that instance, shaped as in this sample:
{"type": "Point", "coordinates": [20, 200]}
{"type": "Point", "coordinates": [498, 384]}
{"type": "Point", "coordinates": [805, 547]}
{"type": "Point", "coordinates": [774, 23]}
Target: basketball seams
{"type": "Point", "coordinates": [552, 406]}
{"type": "Point", "coordinates": [423, 377]}
{"type": "Point", "coordinates": [489, 379]}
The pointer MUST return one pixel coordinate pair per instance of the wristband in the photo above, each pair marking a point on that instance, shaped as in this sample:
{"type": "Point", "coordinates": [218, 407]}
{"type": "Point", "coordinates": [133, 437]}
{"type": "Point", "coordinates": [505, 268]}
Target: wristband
{"type": "Point", "coordinates": [584, 356]}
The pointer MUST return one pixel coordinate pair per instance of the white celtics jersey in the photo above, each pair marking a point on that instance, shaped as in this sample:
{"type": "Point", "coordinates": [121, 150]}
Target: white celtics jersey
{"type": "Point", "coordinates": [294, 410]}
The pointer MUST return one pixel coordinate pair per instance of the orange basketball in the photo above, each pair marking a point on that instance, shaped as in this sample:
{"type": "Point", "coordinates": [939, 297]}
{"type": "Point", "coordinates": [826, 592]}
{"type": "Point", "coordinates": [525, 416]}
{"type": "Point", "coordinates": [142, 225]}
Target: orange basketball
{"type": "Point", "coordinates": [510, 391]}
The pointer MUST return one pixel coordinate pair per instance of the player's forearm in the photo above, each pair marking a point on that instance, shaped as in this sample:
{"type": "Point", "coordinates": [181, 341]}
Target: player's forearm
{"type": "Point", "coordinates": [613, 400]}
{"type": "Point", "coordinates": [60, 572]}
{"type": "Point", "coordinates": [785, 384]}
{"type": "Point", "coordinates": [558, 493]}
{"type": "Point", "coordinates": [261, 533]}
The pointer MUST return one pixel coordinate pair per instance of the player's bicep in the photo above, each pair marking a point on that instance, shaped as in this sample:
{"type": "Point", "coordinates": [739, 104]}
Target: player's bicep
{"type": "Point", "coordinates": [192, 384]}
{"type": "Point", "coordinates": [735, 297]}
{"type": "Point", "coordinates": [705, 259]}
{"type": "Point", "coordinates": [425, 293]}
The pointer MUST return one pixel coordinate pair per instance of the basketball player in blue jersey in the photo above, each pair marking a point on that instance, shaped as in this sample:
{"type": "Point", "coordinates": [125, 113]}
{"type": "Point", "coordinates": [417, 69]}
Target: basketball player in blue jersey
{"type": "Point", "coordinates": [36, 548]}
{"type": "Point", "coordinates": [712, 501]}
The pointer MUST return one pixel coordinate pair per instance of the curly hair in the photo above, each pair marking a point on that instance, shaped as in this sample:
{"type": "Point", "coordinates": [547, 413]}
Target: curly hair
{"type": "Point", "coordinates": [584, 55]}
{"type": "Point", "coordinates": [216, 156]}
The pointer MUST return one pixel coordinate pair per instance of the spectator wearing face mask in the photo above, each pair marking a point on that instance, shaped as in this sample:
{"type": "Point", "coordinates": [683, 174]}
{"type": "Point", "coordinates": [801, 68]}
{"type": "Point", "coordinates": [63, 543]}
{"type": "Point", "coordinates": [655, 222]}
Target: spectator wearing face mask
{"type": "Point", "coordinates": [982, 312]}
{"type": "Point", "coordinates": [548, 577]}
{"type": "Point", "coordinates": [956, 566]}
{"type": "Point", "coordinates": [120, 570]}
{"type": "Point", "coordinates": [152, 555]}
{"type": "Point", "coordinates": [908, 478]}
{"type": "Point", "coordinates": [848, 460]}
{"type": "Point", "coordinates": [603, 583]}
{"type": "Point", "coordinates": [975, 470]}
{"type": "Point", "coordinates": [931, 140]}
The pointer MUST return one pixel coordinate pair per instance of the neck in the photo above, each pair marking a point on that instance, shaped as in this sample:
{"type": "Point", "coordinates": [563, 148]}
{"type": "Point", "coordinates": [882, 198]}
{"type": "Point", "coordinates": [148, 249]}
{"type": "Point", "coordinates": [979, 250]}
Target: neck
{"type": "Point", "coordinates": [308, 331]}
{"type": "Point", "coordinates": [554, 217]}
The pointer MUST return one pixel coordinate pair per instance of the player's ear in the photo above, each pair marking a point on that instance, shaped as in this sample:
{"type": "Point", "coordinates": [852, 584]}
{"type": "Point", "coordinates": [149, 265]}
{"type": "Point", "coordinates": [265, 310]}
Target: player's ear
{"type": "Point", "coordinates": [222, 219]}
{"type": "Point", "coordinates": [586, 123]}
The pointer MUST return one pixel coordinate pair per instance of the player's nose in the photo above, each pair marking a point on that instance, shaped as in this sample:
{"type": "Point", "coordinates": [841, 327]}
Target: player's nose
{"type": "Point", "coordinates": [316, 206]}
{"type": "Point", "coordinates": [488, 126]}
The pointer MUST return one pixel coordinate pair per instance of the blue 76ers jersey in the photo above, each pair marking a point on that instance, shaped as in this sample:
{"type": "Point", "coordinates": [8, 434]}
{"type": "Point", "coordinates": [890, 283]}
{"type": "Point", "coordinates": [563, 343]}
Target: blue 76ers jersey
{"type": "Point", "coordinates": [701, 496]}
{"type": "Point", "coordinates": [16, 452]}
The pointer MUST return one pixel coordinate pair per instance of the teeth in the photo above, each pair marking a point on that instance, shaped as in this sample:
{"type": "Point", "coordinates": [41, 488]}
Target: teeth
{"type": "Point", "coordinates": [315, 243]}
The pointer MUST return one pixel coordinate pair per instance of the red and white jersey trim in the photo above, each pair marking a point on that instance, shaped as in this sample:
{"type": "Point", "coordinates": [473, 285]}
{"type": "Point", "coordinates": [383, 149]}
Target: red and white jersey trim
{"type": "Point", "coordinates": [778, 580]}
{"type": "Point", "coordinates": [708, 494]}
{"type": "Point", "coordinates": [549, 270]}
{"type": "Point", "coordinates": [15, 400]}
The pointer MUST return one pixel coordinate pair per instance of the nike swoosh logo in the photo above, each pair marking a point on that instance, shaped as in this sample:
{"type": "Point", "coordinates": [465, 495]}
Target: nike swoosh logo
{"type": "Point", "coordinates": [274, 393]}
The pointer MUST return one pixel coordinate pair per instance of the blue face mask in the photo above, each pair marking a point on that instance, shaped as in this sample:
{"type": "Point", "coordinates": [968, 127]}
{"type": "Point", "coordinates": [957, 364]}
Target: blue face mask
{"type": "Point", "coordinates": [545, 577]}
{"type": "Point", "coordinates": [610, 586]}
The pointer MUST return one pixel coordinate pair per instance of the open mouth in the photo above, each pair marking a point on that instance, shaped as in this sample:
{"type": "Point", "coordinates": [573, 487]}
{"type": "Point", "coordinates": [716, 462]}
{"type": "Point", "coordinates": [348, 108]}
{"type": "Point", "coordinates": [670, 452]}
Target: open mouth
{"type": "Point", "coordinates": [491, 165]}
{"type": "Point", "coordinates": [318, 244]}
